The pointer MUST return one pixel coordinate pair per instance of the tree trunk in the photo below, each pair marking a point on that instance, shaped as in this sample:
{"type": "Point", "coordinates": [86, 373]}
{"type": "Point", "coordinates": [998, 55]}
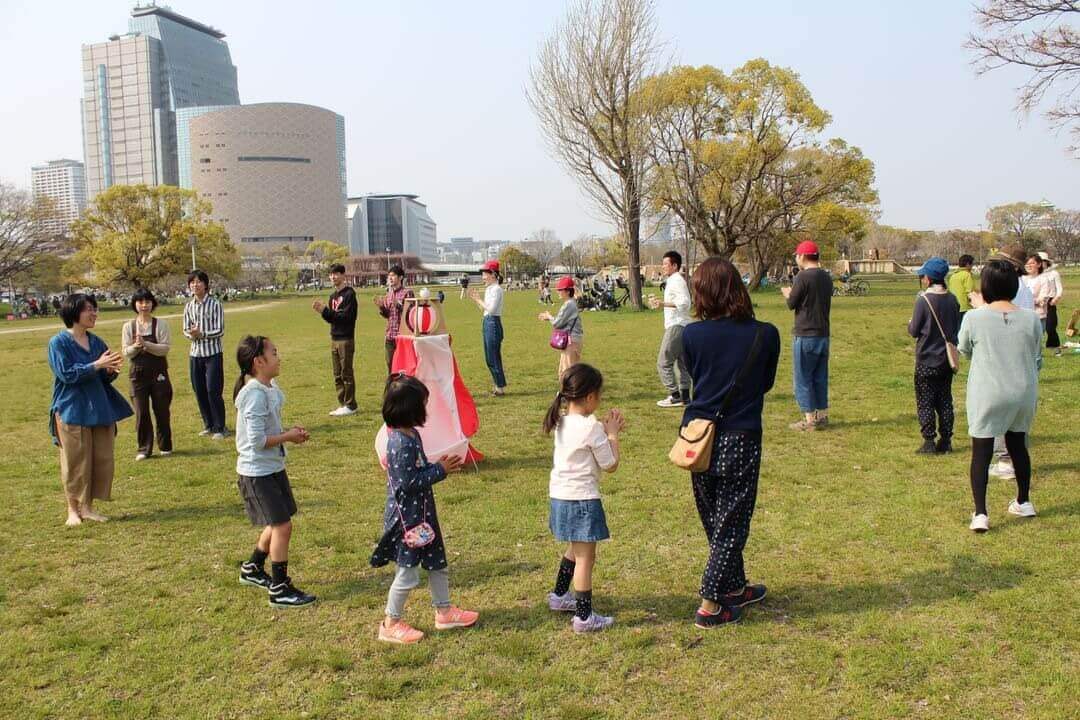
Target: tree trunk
{"type": "Point", "coordinates": [757, 272]}
{"type": "Point", "coordinates": [633, 251]}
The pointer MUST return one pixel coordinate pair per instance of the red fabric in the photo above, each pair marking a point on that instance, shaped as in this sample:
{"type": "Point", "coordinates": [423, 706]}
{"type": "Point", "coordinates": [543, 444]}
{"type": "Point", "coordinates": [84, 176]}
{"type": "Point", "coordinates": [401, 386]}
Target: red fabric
{"type": "Point", "coordinates": [405, 361]}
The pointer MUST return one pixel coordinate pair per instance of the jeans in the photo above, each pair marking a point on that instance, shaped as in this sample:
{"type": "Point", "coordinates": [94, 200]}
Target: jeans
{"type": "Point", "coordinates": [810, 363]}
{"type": "Point", "coordinates": [671, 354]}
{"type": "Point", "coordinates": [208, 382]}
{"type": "Point", "coordinates": [407, 578]}
{"type": "Point", "coordinates": [493, 337]}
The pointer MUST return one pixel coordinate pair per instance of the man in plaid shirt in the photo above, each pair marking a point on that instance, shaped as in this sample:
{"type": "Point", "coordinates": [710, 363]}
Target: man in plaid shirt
{"type": "Point", "coordinates": [204, 325]}
{"type": "Point", "coordinates": [390, 308]}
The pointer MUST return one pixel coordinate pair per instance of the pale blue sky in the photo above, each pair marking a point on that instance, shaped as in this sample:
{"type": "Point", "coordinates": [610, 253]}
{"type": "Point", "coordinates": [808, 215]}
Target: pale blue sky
{"type": "Point", "coordinates": [433, 97]}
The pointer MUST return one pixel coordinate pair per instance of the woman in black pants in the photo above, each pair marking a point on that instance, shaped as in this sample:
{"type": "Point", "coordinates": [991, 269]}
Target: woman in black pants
{"type": "Point", "coordinates": [727, 352]}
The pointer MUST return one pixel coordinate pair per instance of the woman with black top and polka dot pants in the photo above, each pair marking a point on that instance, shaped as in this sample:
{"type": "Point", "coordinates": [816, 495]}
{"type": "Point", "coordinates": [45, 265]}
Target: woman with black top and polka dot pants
{"type": "Point", "coordinates": [717, 348]}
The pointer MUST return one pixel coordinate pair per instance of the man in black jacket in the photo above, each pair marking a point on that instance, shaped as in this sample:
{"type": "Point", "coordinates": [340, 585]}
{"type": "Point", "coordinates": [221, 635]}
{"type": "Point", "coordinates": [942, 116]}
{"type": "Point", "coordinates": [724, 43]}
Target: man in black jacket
{"type": "Point", "coordinates": [340, 312]}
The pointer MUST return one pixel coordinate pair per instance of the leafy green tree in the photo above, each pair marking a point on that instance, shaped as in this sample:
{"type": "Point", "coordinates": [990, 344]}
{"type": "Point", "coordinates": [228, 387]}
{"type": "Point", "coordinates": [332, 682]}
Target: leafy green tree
{"type": "Point", "coordinates": [325, 253]}
{"type": "Point", "coordinates": [1019, 222]}
{"type": "Point", "coordinates": [739, 161]}
{"type": "Point", "coordinates": [517, 263]}
{"type": "Point", "coordinates": [139, 236]}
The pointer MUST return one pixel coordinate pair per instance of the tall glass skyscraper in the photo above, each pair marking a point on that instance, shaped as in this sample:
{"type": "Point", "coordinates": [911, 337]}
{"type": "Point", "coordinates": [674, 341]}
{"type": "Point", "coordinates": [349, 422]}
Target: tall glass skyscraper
{"type": "Point", "coordinates": [135, 84]}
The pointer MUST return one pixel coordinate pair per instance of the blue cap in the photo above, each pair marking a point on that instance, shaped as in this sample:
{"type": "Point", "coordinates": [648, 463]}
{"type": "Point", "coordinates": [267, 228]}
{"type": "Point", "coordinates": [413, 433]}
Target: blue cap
{"type": "Point", "coordinates": [935, 268]}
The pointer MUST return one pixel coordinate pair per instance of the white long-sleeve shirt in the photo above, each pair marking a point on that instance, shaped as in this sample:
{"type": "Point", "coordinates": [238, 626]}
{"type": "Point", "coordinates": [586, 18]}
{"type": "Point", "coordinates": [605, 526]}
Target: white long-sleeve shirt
{"type": "Point", "coordinates": [678, 294]}
{"type": "Point", "coordinates": [493, 300]}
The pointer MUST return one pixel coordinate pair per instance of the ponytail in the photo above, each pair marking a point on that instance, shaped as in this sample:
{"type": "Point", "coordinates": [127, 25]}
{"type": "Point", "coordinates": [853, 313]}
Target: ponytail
{"type": "Point", "coordinates": [578, 382]}
{"type": "Point", "coordinates": [250, 347]}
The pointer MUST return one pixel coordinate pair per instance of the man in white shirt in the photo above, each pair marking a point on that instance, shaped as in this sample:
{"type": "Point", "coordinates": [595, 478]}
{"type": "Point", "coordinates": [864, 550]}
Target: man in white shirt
{"type": "Point", "coordinates": [676, 306]}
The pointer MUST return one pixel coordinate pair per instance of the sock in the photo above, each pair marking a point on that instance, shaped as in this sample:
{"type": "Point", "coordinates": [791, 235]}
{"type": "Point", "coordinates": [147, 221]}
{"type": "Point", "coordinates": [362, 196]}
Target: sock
{"type": "Point", "coordinates": [280, 572]}
{"type": "Point", "coordinates": [566, 574]}
{"type": "Point", "coordinates": [584, 603]}
{"type": "Point", "coordinates": [258, 557]}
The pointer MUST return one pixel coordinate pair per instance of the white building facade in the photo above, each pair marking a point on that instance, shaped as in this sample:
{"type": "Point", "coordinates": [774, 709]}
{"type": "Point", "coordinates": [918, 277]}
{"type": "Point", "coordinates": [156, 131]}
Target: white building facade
{"type": "Point", "coordinates": [63, 182]}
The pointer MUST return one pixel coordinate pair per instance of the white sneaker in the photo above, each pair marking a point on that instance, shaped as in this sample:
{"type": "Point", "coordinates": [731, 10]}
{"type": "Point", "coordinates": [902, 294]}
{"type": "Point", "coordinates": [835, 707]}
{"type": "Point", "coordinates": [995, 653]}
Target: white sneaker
{"type": "Point", "coordinates": [336, 412]}
{"type": "Point", "coordinates": [670, 402]}
{"type": "Point", "coordinates": [979, 523]}
{"type": "Point", "coordinates": [1022, 509]}
{"type": "Point", "coordinates": [142, 456]}
{"type": "Point", "coordinates": [343, 412]}
{"type": "Point", "coordinates": [217, 436]}
{"type": "Point", "coordinates": [166, 453]}
{"type": "Point", "coordinates": [204, 433]}
{"type": "Point", "coordinates": [1004, 470]}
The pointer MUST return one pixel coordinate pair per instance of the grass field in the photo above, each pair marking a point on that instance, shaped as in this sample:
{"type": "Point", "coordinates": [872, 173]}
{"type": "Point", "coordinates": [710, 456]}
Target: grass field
{"type": "Point", "coordinates": [881, 603]}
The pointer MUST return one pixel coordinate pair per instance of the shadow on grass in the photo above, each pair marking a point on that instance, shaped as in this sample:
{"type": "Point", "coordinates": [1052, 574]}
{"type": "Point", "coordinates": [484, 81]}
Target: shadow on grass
{"type": "Point", "coordinates": [531, 462]}
{"type": "Point", "coordinates": [1071, 509]}
{"type": "Point", "coordinates": [1043, 468]}
{"type": "Point", "coordinates": [186, 512]}
{"type": "Point", "coordinates": [462, 574]}
{"type": "Point", "coordinates": [965, 577]}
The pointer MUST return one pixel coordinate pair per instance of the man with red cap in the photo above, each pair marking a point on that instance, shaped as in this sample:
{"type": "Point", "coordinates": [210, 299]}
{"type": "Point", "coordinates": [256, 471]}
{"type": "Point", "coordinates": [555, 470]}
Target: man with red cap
{"type": "Point", "coordinates": [810, 296]}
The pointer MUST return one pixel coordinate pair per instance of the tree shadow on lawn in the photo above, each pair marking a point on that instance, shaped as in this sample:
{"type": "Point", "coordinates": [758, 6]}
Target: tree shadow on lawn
{"type": "Point", "coordinates": [230, 510]}
{"type": "Point", "coordinates": [1071, 509]}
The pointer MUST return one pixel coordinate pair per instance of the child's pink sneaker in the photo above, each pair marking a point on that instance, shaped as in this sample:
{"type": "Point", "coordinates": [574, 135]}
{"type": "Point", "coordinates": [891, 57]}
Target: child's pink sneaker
{"type": "Point", "coordinates": [400, 633]}
{"type": "Point", "coordinates": [453, 617]}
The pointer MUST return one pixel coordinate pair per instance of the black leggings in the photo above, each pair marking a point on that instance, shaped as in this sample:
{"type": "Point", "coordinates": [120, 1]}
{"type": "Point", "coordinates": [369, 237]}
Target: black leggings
{"type": "Point", "coordinates": [1052, 339]}
{"type": "Point", "coordinates": [982, 450]}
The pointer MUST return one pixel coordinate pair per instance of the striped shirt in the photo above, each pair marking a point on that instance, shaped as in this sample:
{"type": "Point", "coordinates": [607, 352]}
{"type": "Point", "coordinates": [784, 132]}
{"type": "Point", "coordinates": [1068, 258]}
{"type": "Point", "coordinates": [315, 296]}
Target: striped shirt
{"type": "Point", "coordinates": [209, 318]}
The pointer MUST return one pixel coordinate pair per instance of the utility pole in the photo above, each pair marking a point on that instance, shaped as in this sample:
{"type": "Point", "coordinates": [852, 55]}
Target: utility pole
{"type": "Point", "coordinates": [191, 239]}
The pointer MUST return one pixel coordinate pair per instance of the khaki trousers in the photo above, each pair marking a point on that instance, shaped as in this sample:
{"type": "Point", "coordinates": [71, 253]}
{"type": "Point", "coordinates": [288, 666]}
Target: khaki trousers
{"type": "Point", "coordinates": [341, 352]}
{"type": "Point", "coordinates": [86, 461]}
{"type": "Point", "coordinates": [569, 356]}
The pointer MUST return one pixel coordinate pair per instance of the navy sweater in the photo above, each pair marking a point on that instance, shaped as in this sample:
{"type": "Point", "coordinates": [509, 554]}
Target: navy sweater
{"type": "Point", "coordinates": [715, 352]}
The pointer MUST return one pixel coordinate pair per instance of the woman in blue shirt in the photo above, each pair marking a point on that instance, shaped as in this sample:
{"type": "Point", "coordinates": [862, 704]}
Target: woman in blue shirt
{"type": "Point", "coordinates": [717, 349]}
{"type": "Point", "coordinates": [85, 408]}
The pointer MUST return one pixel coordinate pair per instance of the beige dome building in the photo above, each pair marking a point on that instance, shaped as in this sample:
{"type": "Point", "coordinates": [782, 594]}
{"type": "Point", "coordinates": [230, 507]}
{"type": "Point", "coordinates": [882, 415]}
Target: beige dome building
{"type": "Point", "coordinates": [274, 173]}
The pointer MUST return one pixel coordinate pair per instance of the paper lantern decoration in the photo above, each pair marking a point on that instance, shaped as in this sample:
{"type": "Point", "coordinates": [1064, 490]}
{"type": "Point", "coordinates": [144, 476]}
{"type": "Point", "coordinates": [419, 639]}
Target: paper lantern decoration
{"type": "Point", "coordinates": [422, 317]}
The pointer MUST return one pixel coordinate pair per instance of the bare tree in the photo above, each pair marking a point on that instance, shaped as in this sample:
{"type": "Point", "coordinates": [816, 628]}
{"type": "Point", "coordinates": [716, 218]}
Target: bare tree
{"type": "Point", "coordinates": [582, 86]}
{"type": "Point", "coordinates": [1063, 236]}
{"type": "Point", "coordinates": [544, 245]}
{"type": "Point", "coordinates": [25, 233]}
{"type": "Point", "coordinates": [1036, 35]}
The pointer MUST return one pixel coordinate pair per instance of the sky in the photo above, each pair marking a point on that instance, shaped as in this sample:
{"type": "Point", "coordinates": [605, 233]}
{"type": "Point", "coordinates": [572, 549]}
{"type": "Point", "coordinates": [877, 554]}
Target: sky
{"type": "Point", "coordinates": [433, 95]}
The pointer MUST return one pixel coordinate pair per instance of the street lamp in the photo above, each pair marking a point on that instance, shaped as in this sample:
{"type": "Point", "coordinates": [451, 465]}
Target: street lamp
{"type": "Point", "coordinates": [191, 240]}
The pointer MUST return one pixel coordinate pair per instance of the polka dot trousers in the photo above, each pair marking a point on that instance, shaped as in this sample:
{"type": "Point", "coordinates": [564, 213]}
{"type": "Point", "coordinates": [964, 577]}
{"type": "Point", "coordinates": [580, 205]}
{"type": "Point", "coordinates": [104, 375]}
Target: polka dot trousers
{"type": "Point", "coordinates": [933, 400]}
{"type": "Point", "coordinates": [725, 496]}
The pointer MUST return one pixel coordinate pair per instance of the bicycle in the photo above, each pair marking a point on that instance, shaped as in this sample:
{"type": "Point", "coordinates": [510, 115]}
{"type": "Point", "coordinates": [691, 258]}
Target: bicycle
{"type": "Point", "coordinates": [848, 287]}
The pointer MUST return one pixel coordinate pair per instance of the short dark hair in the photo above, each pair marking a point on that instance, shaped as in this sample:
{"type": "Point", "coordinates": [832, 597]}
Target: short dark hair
{"type": "Point", "coordinates": [397, 270]}
{"type": "Point", "coordinates": [675, 258]}
{"type": "Point", "coordinates": [200, 275]}
{"type": "Point", "coordinates": [966, 261]}
{"type": "Point", "coordinates": [337, 268]}
{"type": "Point", "coordinates": [143, 294]}
{"type": "Point", "coordinates": [812, 257]}
{"type": "Point", "coordinates": [73, 307]}
{"type": "Point", "coordinates": [719, 291]}
{"type": "Point", "coordinates": [998, 281]}
{"type": "Point", "coordinates": [404, 402]}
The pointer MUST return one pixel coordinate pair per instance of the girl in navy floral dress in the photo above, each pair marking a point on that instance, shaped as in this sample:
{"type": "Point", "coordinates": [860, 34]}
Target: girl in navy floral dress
{"type": "Point", "coordinates": [410, 505]}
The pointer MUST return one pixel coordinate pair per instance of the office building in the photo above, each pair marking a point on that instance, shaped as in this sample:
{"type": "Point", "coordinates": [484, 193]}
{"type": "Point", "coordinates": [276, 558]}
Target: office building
{"type": "Point", "coordinates": [64, 182]}
{"type": "Point", "coordinates": [391, 224]}
{"type": "Point", "coordinates": [274, 173]}
{"type": "Point", "coordinates": [134, 84]}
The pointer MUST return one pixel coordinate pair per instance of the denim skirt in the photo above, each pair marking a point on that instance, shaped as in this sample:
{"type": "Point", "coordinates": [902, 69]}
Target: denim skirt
{"type": "Point", "coordinates": [578, 521]}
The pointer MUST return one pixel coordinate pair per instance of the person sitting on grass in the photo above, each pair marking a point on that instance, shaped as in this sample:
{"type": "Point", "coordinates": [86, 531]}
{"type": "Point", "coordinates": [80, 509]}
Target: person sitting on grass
{"type": "Point", "coordinates": [934, 322]}
{"type": "Point", "coordinates": [583, 447]}
{"type": "Point", "coordinates": [411, 534]}
{"type": "Point", "coordinates": [1002, 341]}
{"type": "Point", "coordinates": [260, 467]}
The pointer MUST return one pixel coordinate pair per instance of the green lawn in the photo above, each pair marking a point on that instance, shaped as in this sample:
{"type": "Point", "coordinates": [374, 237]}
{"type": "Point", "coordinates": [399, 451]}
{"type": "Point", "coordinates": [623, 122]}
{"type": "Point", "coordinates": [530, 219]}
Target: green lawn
{"type": "Point", "coordinates": [881, 603]}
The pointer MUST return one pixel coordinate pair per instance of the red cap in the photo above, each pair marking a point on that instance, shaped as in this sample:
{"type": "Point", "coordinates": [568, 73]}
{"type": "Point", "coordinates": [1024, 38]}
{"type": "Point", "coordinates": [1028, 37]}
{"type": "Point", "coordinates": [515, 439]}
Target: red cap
{"type": "Point", "coordinates": [490, 266]}
{"type": "Point", "coordinates": [565, 283]}
{"type": "Point", "coordinates": [807, 247]}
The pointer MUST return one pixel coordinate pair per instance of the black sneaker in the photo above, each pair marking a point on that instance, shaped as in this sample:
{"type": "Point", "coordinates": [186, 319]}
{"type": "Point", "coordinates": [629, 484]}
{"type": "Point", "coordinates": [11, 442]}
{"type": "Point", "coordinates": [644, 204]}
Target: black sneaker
{"type": "Point", "coordinates": [927, 448]}
{"type": "Point", "coordinates": [724, 616]}
{"type": "Point", "coordinates": [252, 574]}
{"type": "Point", "coordinates": [286, 595]}
{"type": "Point", "coordinates": [944, 445]}
{"type": "Point", "coordinates": [749, 595]}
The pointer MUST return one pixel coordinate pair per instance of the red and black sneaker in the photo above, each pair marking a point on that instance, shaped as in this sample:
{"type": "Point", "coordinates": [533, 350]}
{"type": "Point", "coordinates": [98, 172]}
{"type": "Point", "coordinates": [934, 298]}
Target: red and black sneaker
{"type": "Point", "coordinates": [749, 595]}
{"type": "Point", "coordinates": [724, 616]}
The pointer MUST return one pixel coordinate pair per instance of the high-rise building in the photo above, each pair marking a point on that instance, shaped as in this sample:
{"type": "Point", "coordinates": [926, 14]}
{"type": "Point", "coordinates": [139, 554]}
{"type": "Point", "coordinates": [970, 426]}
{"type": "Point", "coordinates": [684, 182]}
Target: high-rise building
{"type": "Point", "coordinates": [64, 182]}
{"type": "Point", "coordinates": [133, 86]}
{"type": "Point", "coordinates": [274, 173]}
{"type": "Point", "coordinates": [392, 224]}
